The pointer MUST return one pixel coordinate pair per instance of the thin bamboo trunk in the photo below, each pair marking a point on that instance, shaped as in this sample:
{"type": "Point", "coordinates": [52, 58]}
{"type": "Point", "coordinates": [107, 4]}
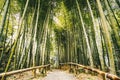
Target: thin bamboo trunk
{"type": "Point", "coordinates": [45, 37]}
{"type": "Point", "coordinates": [107, 38]}
{"type": "Point", "coordinates": [35, 32]}
{"type": "Point", "coordinates": [96, 32]}
{"type": "Point", "coordinates": [113, 24]}
{"type": "Point", "coordinates": [4, 40]}
{"type": "Point", "coordinates": [18, 34]}
{"type": "Point", "coordinates": [85, 34]}
{"type": "Point", "coordinates": [4, 16]}
{"type": "Point", "coordinates": [32, 34]}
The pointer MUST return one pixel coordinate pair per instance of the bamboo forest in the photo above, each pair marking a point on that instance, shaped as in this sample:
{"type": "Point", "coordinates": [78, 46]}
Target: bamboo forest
{"type": "Point", "coordinates": [59, 39]}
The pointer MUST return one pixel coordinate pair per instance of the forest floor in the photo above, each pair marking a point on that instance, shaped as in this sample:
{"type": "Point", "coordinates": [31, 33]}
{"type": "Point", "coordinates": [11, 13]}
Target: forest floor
{"type": "Point", "coordinates": [54, 75]}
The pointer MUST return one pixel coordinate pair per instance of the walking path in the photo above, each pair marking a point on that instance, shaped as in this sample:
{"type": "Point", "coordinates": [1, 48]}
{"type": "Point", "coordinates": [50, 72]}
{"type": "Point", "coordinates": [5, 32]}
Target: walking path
{"type": "Point", "coordinates": [59, 75]}
{"type": "Point", "coordinates": [53, 75]}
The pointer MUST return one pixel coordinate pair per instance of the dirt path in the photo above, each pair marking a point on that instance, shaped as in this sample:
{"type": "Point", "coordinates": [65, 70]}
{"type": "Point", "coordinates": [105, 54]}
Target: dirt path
{"type": "Point", "coordinates": [53, 75]}
{"type": "Point", "coordinates": [59, 75]}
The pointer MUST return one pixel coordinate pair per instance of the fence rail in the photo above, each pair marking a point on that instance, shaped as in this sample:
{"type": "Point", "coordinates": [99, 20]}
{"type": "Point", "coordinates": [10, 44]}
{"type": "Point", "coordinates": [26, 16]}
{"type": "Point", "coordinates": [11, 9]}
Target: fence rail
{"type": "Point", "coordinates": [23, 70]}
{"type": "Point", "coordinates": [102, 73]}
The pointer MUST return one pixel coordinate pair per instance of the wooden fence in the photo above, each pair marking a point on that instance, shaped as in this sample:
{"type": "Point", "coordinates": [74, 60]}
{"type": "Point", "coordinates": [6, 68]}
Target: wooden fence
{"type": "Point", "coordinates": [102, 73]}
{"type": "Point", "coordinates": [5, 74]}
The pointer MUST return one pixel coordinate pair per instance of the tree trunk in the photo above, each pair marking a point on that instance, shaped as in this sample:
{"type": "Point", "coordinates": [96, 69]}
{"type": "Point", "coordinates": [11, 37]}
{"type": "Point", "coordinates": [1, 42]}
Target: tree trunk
{"type": "Point", "coordinates": [4, 17]}
{"type": "Point", "coordinates": [18, 34]}
{"type": "Point", "coordinates": [85, 34]}
{"type": "Point", "coordinates": [113, 24]}
{"type": "Point", "coordinates": [97, 37]}
{"type": "Point", "coordinates": [107, 38]}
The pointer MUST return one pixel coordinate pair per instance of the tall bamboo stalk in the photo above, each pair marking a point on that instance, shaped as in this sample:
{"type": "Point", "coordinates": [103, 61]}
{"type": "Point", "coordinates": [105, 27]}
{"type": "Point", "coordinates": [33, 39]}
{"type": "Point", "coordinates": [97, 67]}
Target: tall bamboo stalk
{"type": "Point", "coordinates": [107, 38]}
{"type": "Point", "coordinates": [35, 32]}
{"type": "Point", "coordinates": [4, 17]}
{"type": "Point", "coordinates": [113, 24]}
{"type": "Point", "coordinates": [18, 34]}
{"type": "Point", "coordinates": [85, 34]}
{"type": "Point", "coordinates": [96, 35]}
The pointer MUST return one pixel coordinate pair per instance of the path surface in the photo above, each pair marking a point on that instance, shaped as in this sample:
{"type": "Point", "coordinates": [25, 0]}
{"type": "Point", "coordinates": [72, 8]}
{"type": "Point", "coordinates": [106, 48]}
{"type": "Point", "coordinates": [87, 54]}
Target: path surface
{"type": "Point", "coordinates": [59, 75]}
{"type": "Point", "coordinates": [53, 75]}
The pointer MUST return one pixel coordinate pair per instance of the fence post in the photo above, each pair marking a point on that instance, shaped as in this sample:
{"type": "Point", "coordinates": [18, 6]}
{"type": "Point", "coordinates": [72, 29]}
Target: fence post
{"type": "Point", "coordinates": [104, 77]}
{"type": "Point", "coordinates": [34, 72]}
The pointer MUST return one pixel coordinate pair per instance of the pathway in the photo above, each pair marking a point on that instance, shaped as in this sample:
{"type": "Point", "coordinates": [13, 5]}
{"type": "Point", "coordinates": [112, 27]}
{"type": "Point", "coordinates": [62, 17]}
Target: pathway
{"type": "Point", "coordinates": [59, 75]}
{"type": "Point", "coordinates": [53, 75]}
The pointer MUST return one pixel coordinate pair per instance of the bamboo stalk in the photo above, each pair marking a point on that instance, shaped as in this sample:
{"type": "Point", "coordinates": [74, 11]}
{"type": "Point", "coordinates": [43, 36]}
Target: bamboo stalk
{"type": "Point", "coordinates": [85, 34]}
{"type": "Point", "coordinates": [107, 37]}
{"type": "Point", "coordinates": [15, 43]}
{"type": "Point", "coordinates": [4, 16]}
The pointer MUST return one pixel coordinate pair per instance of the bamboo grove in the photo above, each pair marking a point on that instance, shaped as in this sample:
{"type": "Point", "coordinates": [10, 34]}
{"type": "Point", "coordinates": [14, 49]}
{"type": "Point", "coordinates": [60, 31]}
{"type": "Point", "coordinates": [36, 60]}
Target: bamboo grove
{"type": "Point", "coordinates": [81, 31]}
